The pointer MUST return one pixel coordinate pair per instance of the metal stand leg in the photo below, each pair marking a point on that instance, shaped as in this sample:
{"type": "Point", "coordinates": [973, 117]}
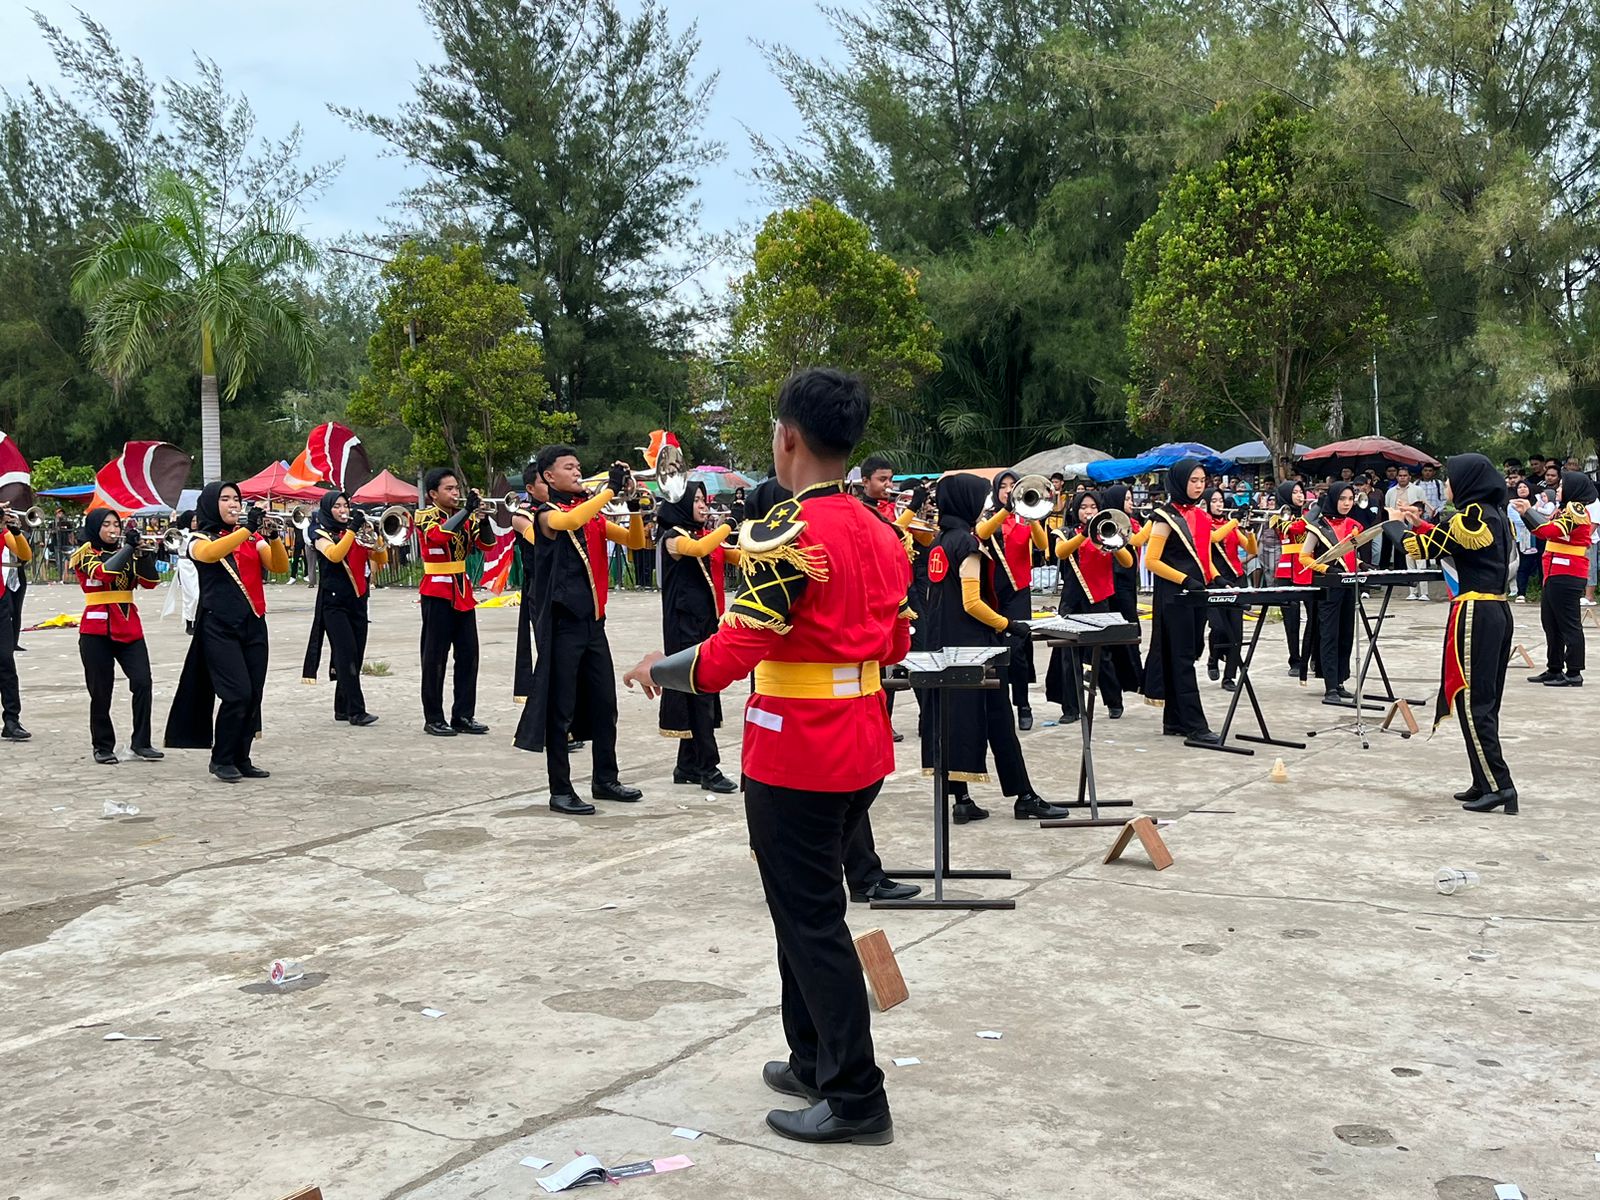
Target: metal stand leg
{"type": "Point", "coordinates": [1087, 795]}
{"type": "Point", "coordinates": [1247, 690]}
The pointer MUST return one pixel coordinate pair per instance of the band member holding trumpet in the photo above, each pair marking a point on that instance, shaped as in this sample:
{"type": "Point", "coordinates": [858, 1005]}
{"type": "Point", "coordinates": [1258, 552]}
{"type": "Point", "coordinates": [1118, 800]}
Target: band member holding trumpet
{"type": "Point", "coordinates": [574, 686]}
{"type": "Point", "coordinates": [16, 543]}
{"type": "Point", "coordinates": [227, 658]}
{"type": "Point", "coordinates": [1009, 534]}
{"type": "Point", "coordinates": [531, 562]}
{"type": "Point", "coordinates": [1565, 535]}
{"type": "Point", "coordinates": [448, 528]}
{"type": "Point", "coordinates": [1092, 546]}
{"type": "Point", "coordinates": [1336, 606]}
{"type": "Point", "coordinates": [1125, 659]}
{"type": "Point", "coordinates": [111, 562]}
{"type": "Point", "coordinates": [345, 541]}
{"type": "Point", "coordinates": [1289, 522]}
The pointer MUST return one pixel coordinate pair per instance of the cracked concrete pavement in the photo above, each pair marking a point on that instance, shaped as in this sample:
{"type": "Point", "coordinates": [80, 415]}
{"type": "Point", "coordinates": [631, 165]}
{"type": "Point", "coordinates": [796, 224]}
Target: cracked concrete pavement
{"type": "Point", "coordinates": [1290, 1010]}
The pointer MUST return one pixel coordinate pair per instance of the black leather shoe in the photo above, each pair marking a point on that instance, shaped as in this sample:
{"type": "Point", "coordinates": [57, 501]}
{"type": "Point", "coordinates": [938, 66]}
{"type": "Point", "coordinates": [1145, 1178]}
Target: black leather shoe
{"type": "Point", "coordinates": [14, 732]}
{"type": "Point", "coordinates": [1114, 712]}
{"type": "Point", "coordinates": [1213, 672]}
{"type": "Point", "coordinates": [679, 777]}
{"type": "Point", "coordinates": [966, 811]}
{"type": "Point", "coordinates": [365, 719]}
{"type": "Point", "coordinates": [1205, 738]}
{"type": "Point", "coordinates": [1344, 692]}
{"type": "Point", "coordinates": [780, 1077]}
{"type": "Point", "coordinates": [254, 772]}
{"type": "Point", "coordinates": [574, 745]}
{"type": "Point", "coordinates": [225, 774]}
{"type": "Point", "coordinates": [468, 725]}
{"type": "Point", "coordinates": [817, 1124]}
{"type": "Point", "coordinates": [1024, 719]}
{"type": "Point", "coordinates": [566, 802]}
{"type": "Point", "coordinates": [1472, 793]}
{"type": "Point", "coordinates": [1575, 680]}
{"type": "Point", "coordinates": [438, 729]}
{"type": "Point", "coordinates": [720, 783]}
{"type": "Point", "coordinates": [1490, 801]}
{"type": "Point", "coordinates": [886, 889]}
{"type": "Point", "coordinates": [105, 758]}
{"type": "Point", "coordinates": [1294, 669]}
{"type": "Point", "coordinates": [1545, 676]}
{"type": "Point", "coordinates": [1068, 719]}
{"type": "Point", "coordinates": [1229, 685]}
{"type": "Point", "coordinates": [611, 789]}
{"type": "Point", "coordinates": [147, 752]}
{"type": "Point", "coordinates": [1331, 698]}
{"type": "Point", "coordinates": [1029, 807]}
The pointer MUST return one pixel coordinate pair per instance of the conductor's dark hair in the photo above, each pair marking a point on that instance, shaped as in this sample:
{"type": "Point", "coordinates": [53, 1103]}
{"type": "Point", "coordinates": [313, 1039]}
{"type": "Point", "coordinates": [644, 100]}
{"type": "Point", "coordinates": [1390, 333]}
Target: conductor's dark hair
{"type": "Point", "coordinates": [530, 472]}
{"type": "Point", "coordinates": [434, 478]}
{"type": "Point", "coordinates": [827, 408]}
{"type": "Point", "coordinates": [550, 455]}
{"type": "Point", "coordinates": [875, 463]}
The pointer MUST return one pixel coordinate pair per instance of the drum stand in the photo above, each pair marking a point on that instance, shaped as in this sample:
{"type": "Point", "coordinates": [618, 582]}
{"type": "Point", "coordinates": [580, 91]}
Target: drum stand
{"type": "Point", "coordinates": [1357, 723]}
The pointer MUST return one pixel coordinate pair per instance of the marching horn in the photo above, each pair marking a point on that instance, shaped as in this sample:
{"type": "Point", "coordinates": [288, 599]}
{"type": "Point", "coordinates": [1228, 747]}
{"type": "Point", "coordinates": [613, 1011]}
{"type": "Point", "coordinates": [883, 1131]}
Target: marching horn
{"type": "Point", "coordinates": [1031, 499]}
{"type": "Point", "coordinates": [1109, 529]}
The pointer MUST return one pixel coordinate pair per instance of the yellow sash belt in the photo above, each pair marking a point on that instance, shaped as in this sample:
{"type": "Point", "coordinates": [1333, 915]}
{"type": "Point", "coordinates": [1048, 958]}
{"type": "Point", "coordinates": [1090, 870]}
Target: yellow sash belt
{"type": "Point", "coordinates": [818, 681]}
{"type": "Point", "coordinates": [1567, 548]}
{"type": "Point", "coordinates": [1477, 596]}
{"type": "Point", "coordinates": [93, 598]}
{"type": "Point", "coordinates": [444, 568]}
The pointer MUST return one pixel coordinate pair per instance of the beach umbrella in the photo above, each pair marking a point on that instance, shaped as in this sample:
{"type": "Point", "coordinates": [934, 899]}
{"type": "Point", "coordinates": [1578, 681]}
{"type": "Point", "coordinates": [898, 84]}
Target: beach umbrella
{"type": "Point", "coordinates": [1070, 460]}
{"type": "Point", "coordinates": [1255, 453]}
{"type": "Point", "coordinates": [1361, 451]}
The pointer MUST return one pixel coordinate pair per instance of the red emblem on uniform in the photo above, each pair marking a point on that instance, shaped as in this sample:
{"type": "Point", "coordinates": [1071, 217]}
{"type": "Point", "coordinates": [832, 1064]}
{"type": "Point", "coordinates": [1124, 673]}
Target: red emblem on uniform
{"type": "Point", "coordinates": [938, 564]}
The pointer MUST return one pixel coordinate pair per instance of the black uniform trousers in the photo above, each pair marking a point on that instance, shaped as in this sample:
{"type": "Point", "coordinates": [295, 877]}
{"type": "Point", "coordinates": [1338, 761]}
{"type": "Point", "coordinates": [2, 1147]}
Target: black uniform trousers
{"type": "Point", "coordinates": [1562, 618]}
{"type": "Point", "coordinates": [580, 664]}
{"type": "Point", "coordinates": [10, 693]}
{"type": "Point", "coordinates": [1483, 633]}
{"type": "Point", "coordinates": [1298, 649]}
{"type": "Point", "coordinates": [1227, 637]}
{"type": "Point", "coordinates": [17, 594]}
{"type": "Point", "coordinates": [1064, 660]}
{"type": "Point", "coordinates": [101, 656]}
{"type": "Point", "coordinates": [698, 755]}
{"type": "Point", "coordinates": [980, 713]}
{"type": "Point", "coordinates": [347, 635]}
{"type": "Point", "coordinates": [1180, 640]}
{"type": "Point", "coordinates": [799, 839]}
{"type": "Point", "coordinates": [237, 659]}
{"type": "Point", "coordinates": [1336, 634]}
{"type": "Point", "coordinates": [644, 567]}
{"type": "Point", "coordinates": [1019, 669]}
{"type": "Point", "coordinates": [445, 629]}
{"type": "Point", "coordinates": [1125, 659]}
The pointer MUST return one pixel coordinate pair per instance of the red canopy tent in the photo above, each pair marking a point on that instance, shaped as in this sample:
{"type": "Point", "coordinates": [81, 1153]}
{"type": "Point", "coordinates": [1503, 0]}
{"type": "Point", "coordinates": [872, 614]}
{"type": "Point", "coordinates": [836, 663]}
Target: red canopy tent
{"type": "Point", "coordinates": [1383, 448]}
{"type": "Point", "coordinates": [270, 484]}
{"type": "Point", "coordinates": [386, 488]}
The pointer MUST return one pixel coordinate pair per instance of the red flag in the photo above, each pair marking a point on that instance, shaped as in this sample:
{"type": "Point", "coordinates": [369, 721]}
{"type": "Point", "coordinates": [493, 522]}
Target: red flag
{"type": "Point", "coordinates": [144, 475]}
{"type": "Point", "coordinates": [497, 559]}
{"type": "Point", "coordinates": [336, 454]}
{"type": "Point", "coordinates": [16, 477]}
{"type": "Point", "coordinates": [659, 438]}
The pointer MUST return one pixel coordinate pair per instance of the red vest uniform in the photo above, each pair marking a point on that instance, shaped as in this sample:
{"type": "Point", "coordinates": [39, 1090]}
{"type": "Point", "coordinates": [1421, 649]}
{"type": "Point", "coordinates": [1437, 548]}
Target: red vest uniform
{"type": "Point", "coordinates": [1566, 537]}
{"type": "Point", "coordinates": [1345, 527]}
{"type": "Point", "coordinates": [118, 620]}
{"type": "Point", "coordinates": [1293, 536]}
{"type": "Point", "coordinates": [357, 564]}
{"type": "Point", "coordinates": [444, 555]}
{"type": "Point", "coordinates": [1093, 567]}
{"type": "Point", "coordinates": [819, 614]}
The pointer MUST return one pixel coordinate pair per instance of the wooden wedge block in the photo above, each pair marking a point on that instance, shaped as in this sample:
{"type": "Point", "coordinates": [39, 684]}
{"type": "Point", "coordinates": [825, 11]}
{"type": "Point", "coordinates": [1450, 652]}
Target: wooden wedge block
{"type": "Point", "coordinates": [1518, 651]}
{"type": "Point", "coordinates": [1401, 709]}
{"type": "Point", "coordinates": [884, 980]}
{"type": "Point", "coordinates": [1149, 837]}
{"type": "Point", "coordinates": [310, 1193]}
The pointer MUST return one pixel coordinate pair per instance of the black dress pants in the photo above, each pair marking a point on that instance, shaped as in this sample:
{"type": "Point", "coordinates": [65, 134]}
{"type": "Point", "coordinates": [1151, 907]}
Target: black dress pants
{"type": "Point", "coordinates": [1180, 640]}
{"type": "Point", "coordinates": [10, 693]}
{"type": "Point", "coordinates": [17, 595]}
{"type": "Point", "coordinates": [1227, 637]}
{"type": "Point", "coordinates": [1019, 670]}
{"type": "Point", "coordinates": [980, 718]}
{"type": "Point", "coordinates": [1336, 634]}
{"type": "Point", "coordinates": [799, 839]}
{"type": "Point", "coordinates": [1562, 618]}
{"type": "Point", "coordinates": [445, 629]}
{"type": "Point", "coordinates": [1483, 635]}
{"type": "Point", "coordinates": [347, 635]}
{"type": "Point", "coordinates": [101, 656]}
{"type": "Point", "coordinates": [863, 869]}
{"type": "Point", "coordinates": [580, 665]}
{"type": "Point", "coordinates": [237, 659]}
{"type": "Point", "coordinates": [1125, 659]}
{"type": "Point", "coordinates": [698, 755]}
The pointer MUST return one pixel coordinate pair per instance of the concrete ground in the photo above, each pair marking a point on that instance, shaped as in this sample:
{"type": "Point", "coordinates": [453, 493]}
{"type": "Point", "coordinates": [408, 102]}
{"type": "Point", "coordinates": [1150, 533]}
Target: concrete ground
{"type": "Point", "coordinates": [1291, 1010]}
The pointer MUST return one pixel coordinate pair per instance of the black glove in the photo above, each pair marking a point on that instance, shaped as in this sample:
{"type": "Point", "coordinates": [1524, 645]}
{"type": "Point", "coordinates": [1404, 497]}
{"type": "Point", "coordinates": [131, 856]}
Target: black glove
{"type": "Point", "coordinates": [1194, 585]}
{"type": "Point", "coordinates": [919, 497]}
{"type": "Point", "coordinates": [253, 518]}
{"type": "Point", "coordinates": [634, 505]}
{"type": "Point", "coordinates": [358, 520]}
{"type": "Point", "coordinates": [117, 563]}
{"type": "Point", "coordinates": [473, 503]}
{"type": "Point", "coordinates": [617, 478]}
{"type": "Point", "coordinates": [130, 536]}
{"type": "Point", "coordinates": [1019, 629]}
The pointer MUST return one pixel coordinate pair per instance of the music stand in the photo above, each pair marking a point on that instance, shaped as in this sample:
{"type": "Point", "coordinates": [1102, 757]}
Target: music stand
{"type": "Point", "coordinates": [1086, 690]}
{"type": "Point", "coordinates": [936, 672]}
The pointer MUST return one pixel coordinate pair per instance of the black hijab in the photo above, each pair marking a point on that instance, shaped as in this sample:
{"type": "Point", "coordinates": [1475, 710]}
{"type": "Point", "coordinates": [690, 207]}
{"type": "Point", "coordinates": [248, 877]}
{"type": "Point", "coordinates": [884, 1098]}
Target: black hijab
{"type": "Point", "coordinates": [1328, 506]}
{"type": "Point", "coordinates": [1578, 488]}
{"type": "Point", "coordinates": [93, 520]}
{"type": "Point", "coordinates": [1178, 480]}
{"type": "Point", "coordinates": [1474, 480]}
{"type": "Point", "coordinates": [1114, 496]}
{"type": "Point", "coordinates": [208, 510]}
{"type": "Point", "coordinates": [679, 513]}
{"type": "Point", "coordinates": [1077, 506]}
{"type": "Point", "coordinates": [1285, 495]}
{"type": "Point", "coordinates": [184, 519]}
{"type": "Point", "coordinates": [961, 500]}
{"type": "Point", "coordinates": [1001, 477]}
{"type": "Point", "coordinates": [325, 520]}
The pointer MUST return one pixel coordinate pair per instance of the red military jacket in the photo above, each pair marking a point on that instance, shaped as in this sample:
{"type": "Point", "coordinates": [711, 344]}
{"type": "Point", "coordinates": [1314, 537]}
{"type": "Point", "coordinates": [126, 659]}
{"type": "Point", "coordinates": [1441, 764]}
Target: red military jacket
{"type": "Point", "coordinates": [822, 608]}
{"type": "Point", "coordinates": [1566, 536]}
{"type": "Point", "coordinates": [1292, 533]}
{"type": "Point", "coordinates": [101, 616]}
{"type": "Point", "coordinates": [444, 555]}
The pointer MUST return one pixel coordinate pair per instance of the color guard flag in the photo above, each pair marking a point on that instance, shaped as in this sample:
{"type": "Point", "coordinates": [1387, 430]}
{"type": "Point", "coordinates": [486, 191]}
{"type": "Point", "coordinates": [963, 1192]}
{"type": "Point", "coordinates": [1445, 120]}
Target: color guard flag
{"type": "Point", "coordinates": [16, 477]}
{"type": "Point", "coordinates": [336, 454]}
{"type": "Point", "coordinates": [300, 475]}
{"type": "Point", "coordinates": [658, 439]}
{"type": "Point", "coordinates": [144, 475]}
{"type": "Point", "coordinates": [497, 559]}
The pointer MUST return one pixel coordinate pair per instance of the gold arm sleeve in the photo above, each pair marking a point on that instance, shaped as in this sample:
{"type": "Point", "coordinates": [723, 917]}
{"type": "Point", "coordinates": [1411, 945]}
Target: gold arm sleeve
{"type": "Point", "coordinates": [972, 595]}
{"type": "Point", "coordinates": [214, 550]}
{"type": "Point", "coordinates": [565, 521]}
{"type": "Point", "coordinates": [378, 556]}
{"type": "Point", "coordinates": [688, 547]}
{"type": "Point", "coordinates": [1152, 556]}
{"type": "Point", "coordinates": [733, 554]}
{"type": "Point", "coordinates": [905, 518]}
{"type": "Point", "coordinates": [1041, 536]}
{"type": "Point", "coordinates": [1066, 547]}
{"type": "Point", "coordinates": [632, 537]}
{"type": "Point", "coordinates": [1123, 556]}
{"type": "Point", "coordinates": [1143, 536]}
{"type": "Point", "coordinates": [18, 545]}
{"type": "Point", "coordinates": [923, 537]}
{"type": "Point", "coordinates": [1248, 541]}
{"type": "Point", "coordinates": [1221, 532]}
{"type": "Point", "coordinates": [275, 556]}
{"type": "Point", "coordinates": [333, 551]}
{"type": "Point", "coordinates": [1308, 560]}
{"type": "Point", "coordinates": [990, 525]}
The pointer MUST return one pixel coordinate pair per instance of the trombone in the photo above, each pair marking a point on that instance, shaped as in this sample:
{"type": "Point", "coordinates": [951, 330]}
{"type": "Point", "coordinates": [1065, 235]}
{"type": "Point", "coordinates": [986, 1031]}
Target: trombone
{"type": "Point", "coordinates": [392, 525]}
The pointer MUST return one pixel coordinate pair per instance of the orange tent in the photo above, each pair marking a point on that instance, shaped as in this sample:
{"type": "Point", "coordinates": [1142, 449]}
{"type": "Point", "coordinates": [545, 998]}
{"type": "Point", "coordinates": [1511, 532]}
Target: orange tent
{"type": "Point", "coordinates": [386, 488]}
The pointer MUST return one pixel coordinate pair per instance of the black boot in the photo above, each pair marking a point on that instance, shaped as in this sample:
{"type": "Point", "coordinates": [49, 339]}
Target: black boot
{"type": "Point", "coordinates": [966, 811]}
{"type": "Point", "coordinates": [1471, 794]}
{"type": "Point", "coordinates": [1490, 801]}
{"type": "Point", "coordinates": [1024, 718]}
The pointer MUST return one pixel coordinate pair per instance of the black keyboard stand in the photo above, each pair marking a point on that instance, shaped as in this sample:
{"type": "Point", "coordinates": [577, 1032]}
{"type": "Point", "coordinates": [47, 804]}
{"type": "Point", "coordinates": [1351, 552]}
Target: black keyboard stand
{"type": "Point", "coordinates": [935, 684]}
{"type": "Point", "coordinates": [1372, 627]}
{"type": "Point", "coordinates": [1247, 689]}
{"type": "Point", "coordinates": [1087, 690]}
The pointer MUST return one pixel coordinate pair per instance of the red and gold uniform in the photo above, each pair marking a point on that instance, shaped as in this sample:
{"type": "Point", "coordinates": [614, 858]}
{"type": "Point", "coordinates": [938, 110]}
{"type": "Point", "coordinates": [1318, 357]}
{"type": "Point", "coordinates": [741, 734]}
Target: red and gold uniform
{"type": "Point", "coordinates": [10, 694]}
{"type": "Point", "coordinates": [444, 555]}
{"type": "Point", "coordinates": [110, 634]}
{"type": "Point", "coordinates": [1336, 603]}
{"type": "Point", "coordinates": [1567, 537]}
{"type": "Point", "coordinates": [1289, 523]}
{"type": "Point", "coordinates": [343, 582]}
{"type": "Point", "coordinates": [449, 616]}
{"type": "Point", "coordinates": [1088, 583]}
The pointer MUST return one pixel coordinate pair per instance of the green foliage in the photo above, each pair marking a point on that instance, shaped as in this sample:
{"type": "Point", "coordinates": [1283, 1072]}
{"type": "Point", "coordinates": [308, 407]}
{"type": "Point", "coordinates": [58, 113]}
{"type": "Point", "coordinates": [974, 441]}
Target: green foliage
{"type": "Point", "coordinates": [453, 362]}
{"type": "Point", "coordinates": [817, 293]}
{"type": "Point", "coordinates": [1258, 280]}
{"type": "Point", "coordinates": [50, 472]}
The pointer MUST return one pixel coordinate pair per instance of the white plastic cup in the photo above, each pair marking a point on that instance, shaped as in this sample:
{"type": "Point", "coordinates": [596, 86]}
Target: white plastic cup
{"type": "Point", "coordinates": [283, 971]}
{"type": "Point", "coordinates": [1451, 880]}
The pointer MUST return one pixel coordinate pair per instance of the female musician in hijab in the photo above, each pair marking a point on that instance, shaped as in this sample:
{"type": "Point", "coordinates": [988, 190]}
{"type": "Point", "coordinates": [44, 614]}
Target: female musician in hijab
{"type": "Point", "coordinates": [227, 659]}
{"type": "Point", "coordinates": [1478, 632]}
{"type": "Point", "coordinates": [1087, 585]}
{"type": "Point", "coordinates": [693, 565]}
{"type": "Point", "coordinates": [1008, 543]}
{"type": "Point", "coordinates": [1289, 522]}
{"type": "Point", "coordinates": [1125, 659]}
{"type": "Point", "coordinates": [1179, 557]}
{"type": "Point", "coordinates": [1226, 620]}
{"type": "Point", "coordinates": [1336, 606]}
{"type": "Point", "coordinates": [1566, 536]}
{"type": "Point", "coordinates": [962, 613]}
{"type": "Point", "coordinates": [344, 578]}
{"type": "Point", "coordinates": [110, 564]}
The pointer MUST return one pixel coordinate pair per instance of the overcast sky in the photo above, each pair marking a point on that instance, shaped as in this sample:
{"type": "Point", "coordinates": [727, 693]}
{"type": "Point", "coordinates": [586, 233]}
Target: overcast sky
{"type": "Point", "coordinates": [293, 57]}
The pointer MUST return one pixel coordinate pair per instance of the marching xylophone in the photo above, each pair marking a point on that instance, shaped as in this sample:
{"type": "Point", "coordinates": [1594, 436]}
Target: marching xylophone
{"type": "Point", "coordinates": [1246, 597]}
{"type": "Point", "coordinates": [1268, 596]}
{"type": "Point", "coordinates": [1408, 577]}
{"type": "Point", "coordinates": [1086, 629]}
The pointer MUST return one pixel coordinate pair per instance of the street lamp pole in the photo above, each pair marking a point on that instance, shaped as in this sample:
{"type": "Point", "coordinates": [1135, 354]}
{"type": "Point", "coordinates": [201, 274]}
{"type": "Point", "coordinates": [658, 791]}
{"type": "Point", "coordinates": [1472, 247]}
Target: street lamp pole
{"type": "Point", "coordinates": [1377, 418]}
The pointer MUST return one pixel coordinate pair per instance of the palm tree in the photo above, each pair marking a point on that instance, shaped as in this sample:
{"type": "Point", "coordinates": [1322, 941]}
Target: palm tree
{"type": "Point", "coordinates": [207, 274]}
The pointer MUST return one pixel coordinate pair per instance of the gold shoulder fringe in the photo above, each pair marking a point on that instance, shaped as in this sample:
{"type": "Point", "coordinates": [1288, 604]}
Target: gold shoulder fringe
{"type": "Point", "coordinates": [743, 622]}
{"type": "Point", "coordinates": [1471, 539]}
{"type": "Point", "coordinates": [1413, 546]}
{"type": "Point", "coordinates": [78, 555]}
{"type": "Point", "coordinates": [811, 561]}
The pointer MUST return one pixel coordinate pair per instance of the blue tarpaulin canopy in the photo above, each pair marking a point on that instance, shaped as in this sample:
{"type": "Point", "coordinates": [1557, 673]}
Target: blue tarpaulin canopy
{"type": "Point", "coordinates": [76, 492]}
{"type": "Point", "coordinates": [1157, 458]}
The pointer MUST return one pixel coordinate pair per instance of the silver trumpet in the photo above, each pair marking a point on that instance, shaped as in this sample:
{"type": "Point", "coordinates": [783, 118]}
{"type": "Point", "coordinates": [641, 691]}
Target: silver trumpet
{"type": "Point", "coordinates": [171, 539]}
{"type": "Point", "coordinates": [392, 526]}
{"type": "Point", "coordinates": [31, 517]}
{"type": "Point", "coordinates": [511, 504]}
{"type": "Point", "coordinates": [1109, 529]}
{"type": "Point", "coordinates": [1031, 499]}
{"type": "Point", "coordinates": [271, 522]}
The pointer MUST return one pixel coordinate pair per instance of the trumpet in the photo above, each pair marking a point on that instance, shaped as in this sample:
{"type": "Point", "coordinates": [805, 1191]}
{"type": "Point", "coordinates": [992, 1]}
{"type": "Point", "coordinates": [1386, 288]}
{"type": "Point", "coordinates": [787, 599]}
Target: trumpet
{"type": "Point", "coordinates": [1031, 499]}
{"type": "Point", "coordinates": [272, 522]}
{"type": "Point", "coordinates": [392, 525]}
{"type": "Point", "coordinates": [300, 517]}
{"type": "Point", "coordinates": [1109, 529]}
{"type": "Point", "coordinates": [171, 539]}
{"type": "Point", "coordinates": [31, 517]}
{"type": "Point", "coordinates": [511, 504]}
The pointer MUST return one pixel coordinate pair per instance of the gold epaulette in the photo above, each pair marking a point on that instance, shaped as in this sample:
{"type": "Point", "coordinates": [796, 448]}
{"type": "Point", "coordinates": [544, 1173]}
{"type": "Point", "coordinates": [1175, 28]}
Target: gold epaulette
{"type": "Point", "coordinates": [774, 539]}
{"type": "Point", "coordinates": [79, 555]}
{"type": "Point", "coordinates": [427, 517]}
{"type": "Point", "coordinates": [1468, 538]}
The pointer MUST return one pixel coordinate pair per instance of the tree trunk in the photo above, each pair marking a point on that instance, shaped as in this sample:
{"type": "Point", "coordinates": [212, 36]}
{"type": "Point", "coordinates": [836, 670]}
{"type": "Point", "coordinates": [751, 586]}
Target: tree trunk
{"type": "Point", "coordinates": [210, 412]}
